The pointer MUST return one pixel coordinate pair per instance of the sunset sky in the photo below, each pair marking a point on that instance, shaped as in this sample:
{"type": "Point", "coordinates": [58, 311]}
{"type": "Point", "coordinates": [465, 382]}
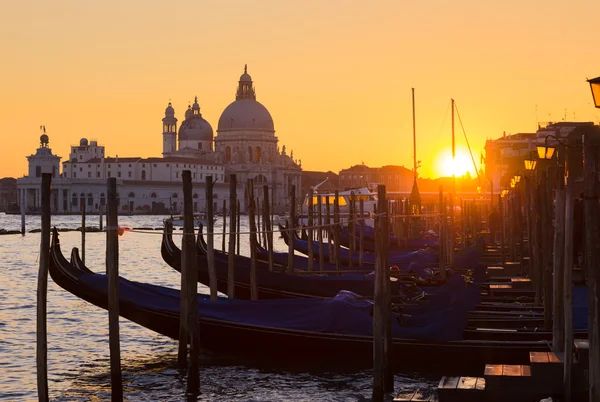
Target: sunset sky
{"type": "Point", "coordinates": [335, 75]}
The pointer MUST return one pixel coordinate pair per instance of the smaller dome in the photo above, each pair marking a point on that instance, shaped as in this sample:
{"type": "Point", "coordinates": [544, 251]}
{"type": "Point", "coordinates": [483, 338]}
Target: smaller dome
{"type": "Point", "coordinates": [44, 139]}
{"type": "Point", "coordinates": [169, 110]}
{"type": "Point", "coordinates": [189, 112]}
{"type": "Point", "coordinates": [245, 78]}
{"type": "Point", "coordinates": [196, 106]}
{"type": "Point", "coordinates": [83, 142]}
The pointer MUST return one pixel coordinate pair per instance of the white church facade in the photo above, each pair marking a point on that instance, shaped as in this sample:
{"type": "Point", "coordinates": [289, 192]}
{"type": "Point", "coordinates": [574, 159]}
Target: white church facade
{"type": "Point", "coordinates": [245, 145]}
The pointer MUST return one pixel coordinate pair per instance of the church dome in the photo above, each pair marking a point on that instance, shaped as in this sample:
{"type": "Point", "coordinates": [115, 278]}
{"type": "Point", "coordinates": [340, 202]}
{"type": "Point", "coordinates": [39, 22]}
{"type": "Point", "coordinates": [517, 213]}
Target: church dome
{"type": "Point", "coordinates": [195, 129]}
{"type": "Point", "coordinates": [83, 142]}
{"type": "Point", "coordinates": [246, 114]}
{"type": "Point", "coordinates": [169, 111]}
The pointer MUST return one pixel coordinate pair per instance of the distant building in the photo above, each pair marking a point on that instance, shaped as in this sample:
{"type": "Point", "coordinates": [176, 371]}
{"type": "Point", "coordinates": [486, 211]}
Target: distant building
{"type": "Point", "coordinates": [395, 178]}
{"type": "Point", "coordinates": [245, 145]}
{"type": "Point", "coordinates": [8, 194]}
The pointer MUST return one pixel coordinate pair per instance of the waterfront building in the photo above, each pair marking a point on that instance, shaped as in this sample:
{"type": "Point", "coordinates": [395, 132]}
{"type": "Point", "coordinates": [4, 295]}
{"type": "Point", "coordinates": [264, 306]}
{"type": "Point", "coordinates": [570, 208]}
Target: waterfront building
{"type": "Point", "coordinates": [245, 145]}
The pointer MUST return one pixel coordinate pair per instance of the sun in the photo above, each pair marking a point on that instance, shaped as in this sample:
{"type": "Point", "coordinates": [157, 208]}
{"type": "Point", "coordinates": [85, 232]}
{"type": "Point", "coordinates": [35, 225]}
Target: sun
{"type": "Point", "coordinates": [459, 166]}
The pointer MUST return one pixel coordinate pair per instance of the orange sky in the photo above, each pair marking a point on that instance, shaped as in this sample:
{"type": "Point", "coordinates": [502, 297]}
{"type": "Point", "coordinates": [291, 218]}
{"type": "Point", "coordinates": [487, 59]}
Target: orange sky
{"type": "Point", "coordinates": [335, 75]}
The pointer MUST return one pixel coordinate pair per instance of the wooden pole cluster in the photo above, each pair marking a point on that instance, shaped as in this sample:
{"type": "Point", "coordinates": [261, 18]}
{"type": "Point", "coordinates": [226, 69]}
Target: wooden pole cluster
{"type": "Point", "coordinates": [291, 230]}
{"type": "Point", "coordinates": [442, 234]}
{"type": "Point", "coordinates": [112, 272]}
{"type": "Point", "coordinates": [320, 232]}
{"type": "Point", "coordinates": [233, 207]}
{"type": "Point", "coordinates": [361, 246]}
{"type": "Point", "coordinates": [592, 257]}
{"type": "Point", "coordinates": [42, 292]}
{"type": "Point", "coordinates": [210, 238]}
{"type": "Point", "coordinates": [383, 379]}
{"type": "Point", "coordinates": [329, 230]}
{"type": "Point", "coordinates": [336, 230]}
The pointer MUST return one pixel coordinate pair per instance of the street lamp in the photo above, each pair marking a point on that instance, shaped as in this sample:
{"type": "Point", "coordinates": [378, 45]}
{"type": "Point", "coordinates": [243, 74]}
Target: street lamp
{"type": "Point", "coordinates": [530, 164]}
{"type": "Point", "coordinates": [545, 151]}
{"type": "Point", "coordinates": [517, 178]}
{"type": "Point", "coordinates": [595, 87]}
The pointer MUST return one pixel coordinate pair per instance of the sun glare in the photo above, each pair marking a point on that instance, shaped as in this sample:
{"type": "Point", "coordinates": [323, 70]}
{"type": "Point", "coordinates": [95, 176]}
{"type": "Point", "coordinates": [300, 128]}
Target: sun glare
{"type": "Point", "coordinates": [461, 164]}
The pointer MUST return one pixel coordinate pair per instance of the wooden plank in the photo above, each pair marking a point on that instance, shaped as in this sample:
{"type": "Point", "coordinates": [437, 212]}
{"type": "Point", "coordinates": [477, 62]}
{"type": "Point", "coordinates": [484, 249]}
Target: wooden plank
{"type": "Point", "coordinates": [493, 370]}
{"type": "Point", "coordinates": [467, 383]}
{"type": "Point", "coordinates": [404, 395]}
{"type": "Point", "coordinates": [422, 395]}
{"type": "Point", "coordinates": [538, 357]}
{"type": "Point", "coordinates": [553, 358]}
{"type": "Point", "coordinates": [511, 370]}
{"type": "Point", "coordinates": [525, 371]}
{"type": "Point", "coordinates": [448, 382]}
{"type": "Point", "coordinates": [480, 385]}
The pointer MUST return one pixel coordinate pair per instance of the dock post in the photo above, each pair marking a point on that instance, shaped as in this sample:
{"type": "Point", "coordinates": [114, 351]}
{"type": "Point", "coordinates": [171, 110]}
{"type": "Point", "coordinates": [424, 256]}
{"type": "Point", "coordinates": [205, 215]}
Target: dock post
{"type": "Point", "coordinates": [568, 286]}
{"type": "Point", "coordinates": [311, 253]}
{"type": "Point", "coordinates": [336, 231]}
{"type": "Point", "coordinates": [268, 226]}
{"type": "Point", "coordinates": [291, 230]}
{"type": "Point", "coordinates": [329, 229]}
{"type": "Point", "coordinates": [351, 229]}
{"type": "Point", "coordinates": [189, 256]}
{"type": "Point", "coordinates": [592, 257]}
{"type": "Point", "coordinates": [252, 225]}
{"type": "Point", "coordinates": [547, 245]}
{"type": "Point", "coordinates": [210, 238]}
{"type": "Point", "coordinates": [238, 217]}
{"type": "Point", "coordinates": [558, 322]}
{"type": "Point", "coordinates": [258, 214]}
{"type": "Point", "coordinates": [224, 225]}
{"type": "Point", "coordinates": [361, 245]}
{"type": "Point", "coordinates": [380, 299]}
{"type": "Point", "coordinates": [100, 218]}
{"type": "Point", "coordinates": [82, 203]}
{"type": "Point", "coordinates": [442, 235]}
{"type": "Point", "coordinates": [233, 211]}
{"type": "Point", "coordinates": [42, 292]}
{"type": "Point", "coordinates": [320, 232]}
{"type": "Point", "coordinates": [112, 272]}
{"type": "Point", "coordinates": [23, 207]}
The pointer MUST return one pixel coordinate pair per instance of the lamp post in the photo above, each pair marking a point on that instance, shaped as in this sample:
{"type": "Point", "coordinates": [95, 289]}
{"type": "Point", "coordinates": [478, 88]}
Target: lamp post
{"type": "Point", "coordinates": [595, 87]}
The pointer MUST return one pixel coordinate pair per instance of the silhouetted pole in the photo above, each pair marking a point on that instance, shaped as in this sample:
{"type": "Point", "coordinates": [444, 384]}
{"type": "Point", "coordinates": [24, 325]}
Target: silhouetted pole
{"type": "Point", "coordinates": [320, 232]}
{"type": "Point", "coordinates": [351, 224]}
{"type": "Point", "coordinates": [311, 254]}
{"type": "Point", "coordinates": [568, 286]}
{"type": "Point", "coordinates": [83, 230]}
{"type": "Point", "coordinates": [268, 226]}
{"type": "Point", "coordinates": [361, 245]}
{"type": "Point", "coordinates": [100, 218]}
{"type": "Point", "coordinates": [190, 265]}
{"type": "Point", "coordinates": [233, 208]}
{"type": "Point", "coordinates": [112, 272]}
{"type": "Point", "coordinates": [592, 257]}
{"type": "Point", "coordinates": [252, 221]}
{"type": "Point", "coordinates": [442, 235]}
{"type": "Point", "coordinates": [547, 245]}
{"type": "Point", "coordinates": [558, 322]}
{"type": "Point", "coordinates": [336, 231]}
{"type": "Point", "coordinates": [239, 223]}
{"type": "Point", "coordinates": [42, 292]}
{"type": "Point", "coordinates": [380, 324]}
{"type": "Point", "coordinates": [224, 225]}
{"type": "Point", "coordinates": [210, 236]}
{"type": "Point", "coordinates": [329, 229]}
{"type": "Point", "coordinates": [292, 228]}
{"type": "Point", "coordinates": [23, 207]}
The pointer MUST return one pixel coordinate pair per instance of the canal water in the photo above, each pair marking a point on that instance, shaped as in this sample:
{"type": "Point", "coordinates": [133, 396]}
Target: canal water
{"type": "Point", "coordinates": [78, 354]}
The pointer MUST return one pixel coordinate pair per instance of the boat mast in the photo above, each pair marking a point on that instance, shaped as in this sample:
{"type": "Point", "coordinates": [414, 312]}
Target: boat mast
{"type": "Point", "coordinates": [414, 135]}
{"type": "Point", "coordinates": [453, 195]}
{"type": "Point", "coordinates": [415, 196]}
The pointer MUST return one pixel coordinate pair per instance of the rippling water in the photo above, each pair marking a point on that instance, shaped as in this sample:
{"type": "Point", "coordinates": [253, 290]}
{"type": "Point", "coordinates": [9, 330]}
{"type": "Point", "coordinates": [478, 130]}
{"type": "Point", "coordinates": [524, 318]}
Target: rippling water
{"type": "Point", "coordinates": [78, 356]}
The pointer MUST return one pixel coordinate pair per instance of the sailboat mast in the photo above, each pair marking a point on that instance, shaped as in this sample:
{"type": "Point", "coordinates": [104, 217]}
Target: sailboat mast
{"type": "Point", "coordinates": [414, 134]}
{"type": "Point", "coordinates": [453, 141]}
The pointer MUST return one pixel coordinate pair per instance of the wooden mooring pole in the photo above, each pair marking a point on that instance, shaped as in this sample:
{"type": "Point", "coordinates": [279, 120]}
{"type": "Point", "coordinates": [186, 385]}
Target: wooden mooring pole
{"type": "Point", "coordinates": [442, 235]}
{"type": "Point", "coordinates": [291, 230]}
{"type": "Point", "coordinates": [189, 257]}
{"type": "Point", "coordinates": [42, 292]}
{"type": "Point", "coordinates": [361, 246]}
{"type": "Point", "coordinates": [23, 208]}
{"type": "Point", "coordinates": [558, 315]}
{"type": "Point", "coordinates": [311, 254]}
{"type": "Point", "coordinates": [252, 225]}
{"type": "Point", "coordinates": [112, 272]}
{"type": "Point", "coordinates": [592, 257]}
{"type": "Point", "coordinates": [224, 225]}
{"type": "Point", "coordinates": [233, 208]}
{"type": "Point", "coordinates": [336, 231]}
{"type": "Point", "coordinates": [82, 203]}
{"type": "Point", "coordinates": [568, 287]}
{"type": "Point", "coordinates": [380, 324]}
{"type": "Point", "coordinates": [210, 237]}
{"type": "Point", "coordinates": [268, 225]}
{"type": "Point", "coordinates": [320, 232]}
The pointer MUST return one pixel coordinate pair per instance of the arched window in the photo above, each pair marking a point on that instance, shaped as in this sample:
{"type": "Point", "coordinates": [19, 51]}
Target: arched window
{"type": "Point", "coordinates": [143, 175]}
{"type": "Point", "coordinates": [260, 179]}
{"type": "Point", "coordinates": [257, 154]}
{"type": "Point", "coordinates": [250, 154]}
{"type": "Point", "coordinates": [228, 154]}
{"type": "Point", "coordinates": [74, 200]}
{"type": "Point", "coordinates": [90, 199]}
{"type": "Point", "coordinates": [102, 199]}
{"type": "Point", "coordinates": [132, 195]}
{"type": "Point", "coordinates": [195, 195]}
{"type": "Point", "coordinates": [153, 195]}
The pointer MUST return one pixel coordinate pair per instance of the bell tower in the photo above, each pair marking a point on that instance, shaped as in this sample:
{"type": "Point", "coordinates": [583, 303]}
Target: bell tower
{"type": "Point", "coordinates": [169, 131]}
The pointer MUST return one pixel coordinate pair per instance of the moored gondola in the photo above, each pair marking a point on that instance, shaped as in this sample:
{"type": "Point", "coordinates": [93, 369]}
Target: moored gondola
{"type": "Point", "coordinates": [335, 331]}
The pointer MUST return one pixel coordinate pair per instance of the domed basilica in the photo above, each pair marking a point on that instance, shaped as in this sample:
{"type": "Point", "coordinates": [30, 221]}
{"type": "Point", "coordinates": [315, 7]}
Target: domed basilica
{"type": "Point", "coordinates": [245, 145]}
